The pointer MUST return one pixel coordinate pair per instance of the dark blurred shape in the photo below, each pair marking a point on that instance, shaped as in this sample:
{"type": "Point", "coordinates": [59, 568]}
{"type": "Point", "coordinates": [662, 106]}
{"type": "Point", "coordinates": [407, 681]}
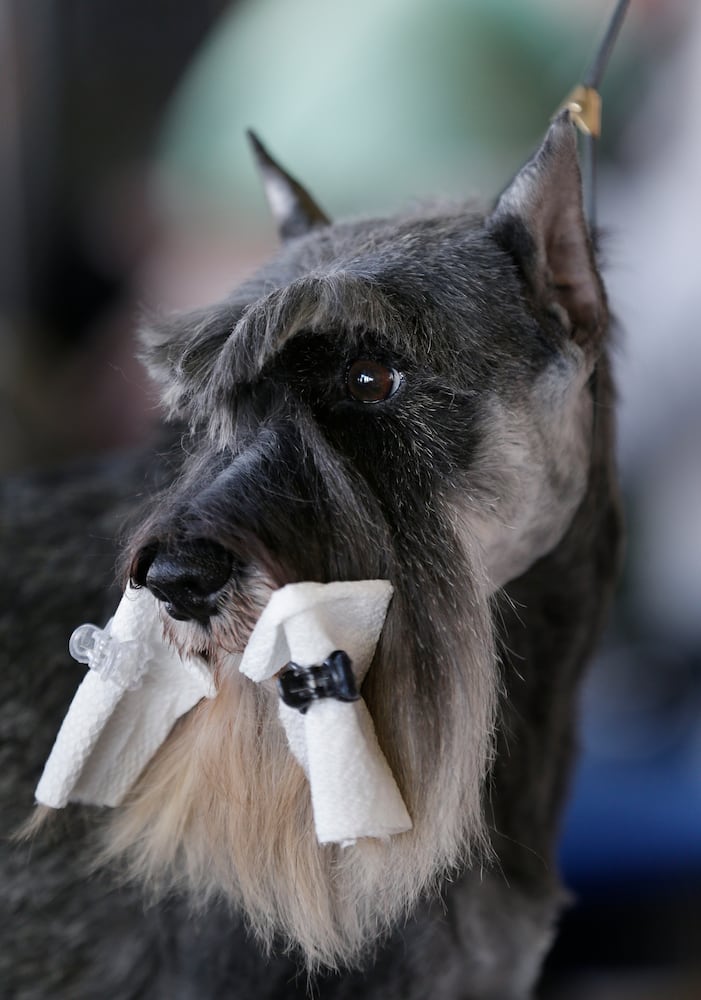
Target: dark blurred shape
{"type": "Point", "coordinates": [86, 83]}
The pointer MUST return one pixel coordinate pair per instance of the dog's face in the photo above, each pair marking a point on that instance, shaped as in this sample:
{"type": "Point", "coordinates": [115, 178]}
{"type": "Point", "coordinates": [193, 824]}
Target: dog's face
{"type": "Point", "coordinates": [405, 399]}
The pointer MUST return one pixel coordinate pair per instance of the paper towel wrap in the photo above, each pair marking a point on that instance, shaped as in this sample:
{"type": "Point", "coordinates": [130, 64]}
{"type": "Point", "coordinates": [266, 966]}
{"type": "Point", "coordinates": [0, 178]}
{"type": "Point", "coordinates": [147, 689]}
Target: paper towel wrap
{"type": "Point", "coordinates": [124, 708]}
{"type": "Point", "coordinates": [353, 791]}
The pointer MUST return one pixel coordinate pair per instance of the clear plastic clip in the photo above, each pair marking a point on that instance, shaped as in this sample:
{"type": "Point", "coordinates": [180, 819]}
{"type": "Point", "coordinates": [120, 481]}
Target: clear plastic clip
{"type": "Point", "coordinates": [114, 661]}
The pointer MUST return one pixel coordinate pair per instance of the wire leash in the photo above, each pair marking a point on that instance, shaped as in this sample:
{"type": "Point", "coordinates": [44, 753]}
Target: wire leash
{"type": "Point", "coordinates": [584, 105]}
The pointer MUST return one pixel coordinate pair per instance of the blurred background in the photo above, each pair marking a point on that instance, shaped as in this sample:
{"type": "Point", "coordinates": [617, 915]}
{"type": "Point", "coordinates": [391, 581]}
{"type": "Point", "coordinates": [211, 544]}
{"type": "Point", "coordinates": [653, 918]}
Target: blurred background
{"type": "Point", "coordinates": [126, 184]}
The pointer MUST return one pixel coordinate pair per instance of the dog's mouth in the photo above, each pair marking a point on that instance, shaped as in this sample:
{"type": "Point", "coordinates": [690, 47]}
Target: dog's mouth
{"type": "Point", "coordinates": [216, 629]}
{"type": "Point", "coordinates": [190, 608]}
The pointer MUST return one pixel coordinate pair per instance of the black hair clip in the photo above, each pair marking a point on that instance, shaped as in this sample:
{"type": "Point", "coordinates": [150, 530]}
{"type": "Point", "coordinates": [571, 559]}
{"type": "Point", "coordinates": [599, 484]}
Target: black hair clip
{"type": "Point", "coordinates": [300, 686]}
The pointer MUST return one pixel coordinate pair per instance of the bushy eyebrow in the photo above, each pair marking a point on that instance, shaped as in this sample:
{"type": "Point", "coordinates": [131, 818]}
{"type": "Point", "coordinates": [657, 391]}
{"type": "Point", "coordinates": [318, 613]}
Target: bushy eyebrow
{"type": "Point", "coordinates": [316, 304]}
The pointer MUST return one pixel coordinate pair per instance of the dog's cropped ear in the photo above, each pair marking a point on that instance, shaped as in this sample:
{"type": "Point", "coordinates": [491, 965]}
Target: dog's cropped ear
{"type": "Point", "coordinates": [539, 219]}
{"type": "Point", "coordinates": [293, 208]}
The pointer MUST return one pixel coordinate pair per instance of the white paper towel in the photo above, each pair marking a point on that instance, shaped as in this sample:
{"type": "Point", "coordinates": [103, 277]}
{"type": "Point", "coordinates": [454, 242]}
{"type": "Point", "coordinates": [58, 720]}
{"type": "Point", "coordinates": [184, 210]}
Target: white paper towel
{"type": "Point", "coordinates": [353, 791]}
{"type": "Point", "coordinates": [123, 710]}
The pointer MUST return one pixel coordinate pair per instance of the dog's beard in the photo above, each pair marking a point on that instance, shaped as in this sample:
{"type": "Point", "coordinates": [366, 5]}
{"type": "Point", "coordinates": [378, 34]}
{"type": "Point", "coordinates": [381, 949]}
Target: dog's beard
{"type": "Point", "coordinates": [224, 809]}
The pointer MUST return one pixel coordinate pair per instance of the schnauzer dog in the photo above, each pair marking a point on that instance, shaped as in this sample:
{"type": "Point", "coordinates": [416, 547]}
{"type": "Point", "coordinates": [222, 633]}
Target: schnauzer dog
{"type": "Point", "coordinates": [424, 399]}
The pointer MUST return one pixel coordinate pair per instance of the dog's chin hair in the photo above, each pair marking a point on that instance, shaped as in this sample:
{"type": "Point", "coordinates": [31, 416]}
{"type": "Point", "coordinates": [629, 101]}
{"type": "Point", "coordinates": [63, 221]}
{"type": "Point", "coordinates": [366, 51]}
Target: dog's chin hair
{"type": "Point", "coordinates": [224, 809]}
{"type": "Point", "coordinates": [35, 823]}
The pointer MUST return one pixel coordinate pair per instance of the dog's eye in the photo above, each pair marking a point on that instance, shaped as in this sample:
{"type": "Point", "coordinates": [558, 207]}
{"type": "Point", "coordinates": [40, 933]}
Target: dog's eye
{"type": "Point", "coordinates": [371, 381]}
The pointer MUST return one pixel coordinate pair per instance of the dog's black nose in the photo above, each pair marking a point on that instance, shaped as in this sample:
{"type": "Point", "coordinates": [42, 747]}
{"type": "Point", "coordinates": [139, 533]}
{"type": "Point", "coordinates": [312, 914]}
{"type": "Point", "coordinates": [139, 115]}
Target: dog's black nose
{"type": "Point", "coordinates": [189, 578]}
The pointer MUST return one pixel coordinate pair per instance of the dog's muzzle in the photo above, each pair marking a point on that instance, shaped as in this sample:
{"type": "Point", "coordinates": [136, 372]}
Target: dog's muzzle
{"type": "Point", "coordinates": [318, 639]}
{"type": "Point", "coordinates": [187, 579]}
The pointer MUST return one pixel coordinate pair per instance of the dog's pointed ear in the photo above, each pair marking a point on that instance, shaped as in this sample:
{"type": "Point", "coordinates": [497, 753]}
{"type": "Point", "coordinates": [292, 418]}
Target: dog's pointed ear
{"type": "Point", "coordinates": [539, 219]}
{"type": "Point", "coordinates": [293, 208]}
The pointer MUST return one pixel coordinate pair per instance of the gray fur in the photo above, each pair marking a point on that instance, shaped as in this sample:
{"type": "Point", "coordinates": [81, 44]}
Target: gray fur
{"type": "Point", "coordinates": [484, 489]}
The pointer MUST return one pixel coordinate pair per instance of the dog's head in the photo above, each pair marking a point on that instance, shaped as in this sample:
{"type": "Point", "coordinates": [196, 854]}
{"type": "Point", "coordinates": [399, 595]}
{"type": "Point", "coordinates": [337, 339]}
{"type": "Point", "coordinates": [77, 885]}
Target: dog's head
{"type": "Point", "coordinates": [406, 399]}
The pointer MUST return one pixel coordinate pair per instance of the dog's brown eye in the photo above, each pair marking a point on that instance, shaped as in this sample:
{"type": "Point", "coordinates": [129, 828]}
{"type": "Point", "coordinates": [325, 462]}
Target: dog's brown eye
{"type": "Point", "coordinates": [371, 381]}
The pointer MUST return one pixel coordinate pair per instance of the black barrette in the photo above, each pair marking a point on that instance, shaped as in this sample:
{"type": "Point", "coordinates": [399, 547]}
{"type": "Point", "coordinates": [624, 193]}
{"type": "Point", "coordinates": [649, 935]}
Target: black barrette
{"type": "Point", "coordinates": [300, 686]}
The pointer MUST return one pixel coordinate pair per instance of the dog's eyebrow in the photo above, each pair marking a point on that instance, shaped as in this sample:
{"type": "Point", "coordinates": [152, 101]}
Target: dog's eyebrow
{"type": "Point", "coordinates": [312, 303]}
